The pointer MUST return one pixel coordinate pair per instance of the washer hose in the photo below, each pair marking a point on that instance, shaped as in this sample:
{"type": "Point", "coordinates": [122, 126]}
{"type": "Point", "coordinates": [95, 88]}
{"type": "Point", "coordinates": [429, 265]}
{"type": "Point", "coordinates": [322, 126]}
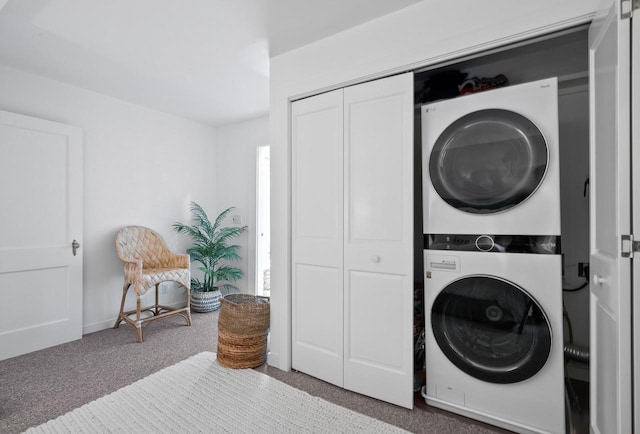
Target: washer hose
{"type": "Point", "coordinates": [575, 352]}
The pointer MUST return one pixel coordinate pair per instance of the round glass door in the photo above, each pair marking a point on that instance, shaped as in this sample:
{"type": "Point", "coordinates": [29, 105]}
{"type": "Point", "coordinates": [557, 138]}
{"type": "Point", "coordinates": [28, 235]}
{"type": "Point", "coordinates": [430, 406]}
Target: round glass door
{"type": "Point", "coordinates": [488, 161]}
{"type": "Point", "coordinates": [491, 329]}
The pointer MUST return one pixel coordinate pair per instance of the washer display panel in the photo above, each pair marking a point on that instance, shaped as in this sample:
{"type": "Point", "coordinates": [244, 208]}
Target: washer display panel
{"type": "Point", "coordinates": [491, 329]}
{"type": "Point", "coordinates": [488, 161]}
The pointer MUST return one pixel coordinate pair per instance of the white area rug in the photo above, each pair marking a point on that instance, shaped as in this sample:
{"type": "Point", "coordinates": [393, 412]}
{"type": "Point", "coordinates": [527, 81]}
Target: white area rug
{"type": "Point", "coordinates": [199, 396]}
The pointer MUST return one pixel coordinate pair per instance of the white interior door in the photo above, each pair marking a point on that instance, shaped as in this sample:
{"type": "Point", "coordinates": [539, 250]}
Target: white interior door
{"type": "Point", "coordinates": [316, 237]}
{"type": "Point", "coordinates": [610, 385]}
{"type": "Point", "coordinates": [41, 216]}
{"type": "Point", "coordinates": [635, 134]}
{"type": "Point", "coordinates": [378, 241]}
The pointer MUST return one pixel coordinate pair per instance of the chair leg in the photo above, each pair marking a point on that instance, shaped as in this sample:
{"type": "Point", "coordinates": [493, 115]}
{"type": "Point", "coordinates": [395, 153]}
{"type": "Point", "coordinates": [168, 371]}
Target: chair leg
{"type": "Point", "coordinates": [188, 315]}
{"type": "Point", "coordinates": [125, 288]}
{"type": "Point", "coordinates": [139, 332]}
{"type": "Point", "coordinates": [157, 309]}
{"type": "Point", "coordinates": [138, 321]}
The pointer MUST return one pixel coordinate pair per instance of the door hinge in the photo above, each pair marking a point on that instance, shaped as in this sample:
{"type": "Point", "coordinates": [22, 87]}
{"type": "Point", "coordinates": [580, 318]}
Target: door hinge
{"type": "Point", "coordinates": [628, 246]}
{"type": "Point", "coordinates": [626, 8]}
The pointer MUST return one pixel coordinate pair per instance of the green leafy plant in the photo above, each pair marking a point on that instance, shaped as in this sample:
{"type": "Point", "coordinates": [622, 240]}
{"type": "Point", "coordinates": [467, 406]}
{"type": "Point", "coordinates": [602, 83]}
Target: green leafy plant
{"type": "Point", "coordinates": [211, 249]}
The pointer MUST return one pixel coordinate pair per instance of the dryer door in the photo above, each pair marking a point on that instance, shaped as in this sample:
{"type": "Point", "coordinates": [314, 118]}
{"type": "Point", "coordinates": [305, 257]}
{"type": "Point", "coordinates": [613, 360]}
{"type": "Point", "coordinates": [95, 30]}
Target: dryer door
{"type": "Point", "coordinates": [491, 329]}
{"type": "Point", "coordinates": [488, 161]}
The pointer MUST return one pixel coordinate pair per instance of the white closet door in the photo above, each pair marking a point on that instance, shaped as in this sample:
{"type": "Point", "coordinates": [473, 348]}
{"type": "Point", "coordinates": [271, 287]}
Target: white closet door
{"type": "Point", "coordinates": [378, 242]}
{"type": "Point", "coordinates": [610, 385]}
{"type": "Point", "coordinates": [317, 237]}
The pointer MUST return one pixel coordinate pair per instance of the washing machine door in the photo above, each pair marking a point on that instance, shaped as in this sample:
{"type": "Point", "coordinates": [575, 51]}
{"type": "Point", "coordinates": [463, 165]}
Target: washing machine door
{"type": "Point", "coordinates": [488, 161]}
{"type": "Point", "coordinates": [491, 329]}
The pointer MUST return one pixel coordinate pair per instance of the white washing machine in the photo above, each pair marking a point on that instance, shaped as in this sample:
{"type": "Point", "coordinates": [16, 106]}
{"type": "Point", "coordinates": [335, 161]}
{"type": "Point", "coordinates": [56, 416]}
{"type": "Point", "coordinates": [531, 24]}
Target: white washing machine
{"type": "Point", "coordinates": [493, 338]}
{"type": "Point", "coordinates": [491, 162]}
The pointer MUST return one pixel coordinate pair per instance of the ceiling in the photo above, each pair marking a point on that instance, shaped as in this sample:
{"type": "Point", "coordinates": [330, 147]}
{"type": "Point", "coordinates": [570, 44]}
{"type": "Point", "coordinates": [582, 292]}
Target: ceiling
{"type": "Point", "coordinates": [206, 60]}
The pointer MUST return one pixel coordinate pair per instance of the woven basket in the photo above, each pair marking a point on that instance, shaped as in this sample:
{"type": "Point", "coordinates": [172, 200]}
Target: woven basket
{"type": "Point", "coordinates": [203, 302]}
{"type": "Point", "coordinates": [243, 325]}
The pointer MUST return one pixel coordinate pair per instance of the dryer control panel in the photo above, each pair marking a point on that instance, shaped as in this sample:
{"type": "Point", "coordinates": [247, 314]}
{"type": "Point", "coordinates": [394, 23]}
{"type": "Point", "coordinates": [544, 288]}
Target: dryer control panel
{"type": "Point", "coordinates": [539, 244]}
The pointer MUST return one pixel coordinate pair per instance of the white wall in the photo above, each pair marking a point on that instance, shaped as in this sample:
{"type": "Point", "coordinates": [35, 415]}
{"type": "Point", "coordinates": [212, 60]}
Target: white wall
{"type": "Point", "coordinates": [236, 169]}
{"type": "Point", "coordinates": [424, 34]}
{"type": "Point", "coordinates": [140, 167]}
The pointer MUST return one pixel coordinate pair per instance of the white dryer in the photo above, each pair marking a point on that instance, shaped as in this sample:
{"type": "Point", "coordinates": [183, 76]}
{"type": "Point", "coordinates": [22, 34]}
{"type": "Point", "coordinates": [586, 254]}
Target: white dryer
{"type": "Point", "coordinates": [493, 338]}
{"type": "Point", "coordinates": [491, 162]}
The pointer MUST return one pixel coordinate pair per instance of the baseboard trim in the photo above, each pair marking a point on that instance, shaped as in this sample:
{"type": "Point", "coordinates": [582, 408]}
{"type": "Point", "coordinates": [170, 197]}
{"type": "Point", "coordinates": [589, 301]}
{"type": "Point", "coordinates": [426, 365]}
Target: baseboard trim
{"type": "Point", "coordinates": [96, 327]}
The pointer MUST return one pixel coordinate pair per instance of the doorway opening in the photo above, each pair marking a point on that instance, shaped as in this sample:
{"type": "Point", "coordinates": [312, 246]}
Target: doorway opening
{"type": "Point", "coordinates": [263, 233]}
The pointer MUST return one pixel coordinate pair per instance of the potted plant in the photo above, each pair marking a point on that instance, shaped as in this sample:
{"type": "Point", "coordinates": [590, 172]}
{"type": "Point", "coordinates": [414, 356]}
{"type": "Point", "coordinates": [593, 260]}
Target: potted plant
{"type": "Point", "coordinates": [211, 249]}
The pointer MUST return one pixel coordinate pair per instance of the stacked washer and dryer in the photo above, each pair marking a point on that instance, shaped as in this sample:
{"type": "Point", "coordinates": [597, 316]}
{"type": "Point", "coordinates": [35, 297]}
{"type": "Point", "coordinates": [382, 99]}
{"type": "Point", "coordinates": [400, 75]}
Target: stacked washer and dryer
{"type": "Point", "coordinates": [493, 269]}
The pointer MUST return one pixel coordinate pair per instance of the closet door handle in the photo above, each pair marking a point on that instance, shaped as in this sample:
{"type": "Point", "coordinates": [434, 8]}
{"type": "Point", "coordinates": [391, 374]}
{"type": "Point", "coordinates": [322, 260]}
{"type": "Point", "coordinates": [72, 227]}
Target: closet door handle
{"type": "Point", "coordinates": [598, 280]}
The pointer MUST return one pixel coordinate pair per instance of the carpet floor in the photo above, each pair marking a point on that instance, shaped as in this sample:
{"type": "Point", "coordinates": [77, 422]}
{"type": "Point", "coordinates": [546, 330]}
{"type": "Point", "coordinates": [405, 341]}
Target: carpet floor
{"type": "Point", "coordinates": [43, 385]}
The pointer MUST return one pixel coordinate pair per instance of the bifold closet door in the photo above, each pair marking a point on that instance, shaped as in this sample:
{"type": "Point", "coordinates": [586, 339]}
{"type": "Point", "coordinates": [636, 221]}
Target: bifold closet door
{"type": "Point", "coordinates": [317, 236]}
{"type": "Point", "coordinates": [378, 239]}
{"type": "Point", "coordinates": [352, 242]}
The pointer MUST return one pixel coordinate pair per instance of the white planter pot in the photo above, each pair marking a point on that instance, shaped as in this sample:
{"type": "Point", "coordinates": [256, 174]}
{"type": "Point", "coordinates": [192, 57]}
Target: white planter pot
{"type": "Point", "coordinates": [205, 301]}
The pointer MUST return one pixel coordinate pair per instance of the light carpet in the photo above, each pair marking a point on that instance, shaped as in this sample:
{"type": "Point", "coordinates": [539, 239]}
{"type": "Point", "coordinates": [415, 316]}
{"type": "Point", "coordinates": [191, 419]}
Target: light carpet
{"type": "Point", "coordinates": [197, 395]}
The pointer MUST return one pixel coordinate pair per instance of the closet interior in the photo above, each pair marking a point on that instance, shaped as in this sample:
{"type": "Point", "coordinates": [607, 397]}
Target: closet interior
{"type": "Point", "coordinates": [565, 56]}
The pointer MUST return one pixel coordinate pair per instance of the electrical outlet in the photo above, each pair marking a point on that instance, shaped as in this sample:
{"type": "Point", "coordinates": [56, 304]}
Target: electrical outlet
{"type": "Point", "coordinates": [583, 269]}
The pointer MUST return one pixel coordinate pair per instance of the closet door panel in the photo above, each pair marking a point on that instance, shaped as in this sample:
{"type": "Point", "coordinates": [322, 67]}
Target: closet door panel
{"type": "Point", "coordinates": [317, 236]}
{"type": "Point", "coordinates": [372, 337]}
{"type": "Point", "coordinates": [318, 321]}
{"type": "Point", "coordinates": [378, 240]}
{"type": "Point", "coordinates": [374, 166]}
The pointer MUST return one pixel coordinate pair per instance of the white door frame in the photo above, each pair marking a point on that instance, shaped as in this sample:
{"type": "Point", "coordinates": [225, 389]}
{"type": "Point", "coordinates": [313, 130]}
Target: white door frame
{"type": "Point", "coordinates": [262, 217]}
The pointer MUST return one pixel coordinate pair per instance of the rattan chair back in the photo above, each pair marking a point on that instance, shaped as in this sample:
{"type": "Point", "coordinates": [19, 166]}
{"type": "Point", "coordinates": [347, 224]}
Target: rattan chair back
{"type": "Point", "coordinates": [138, 243]}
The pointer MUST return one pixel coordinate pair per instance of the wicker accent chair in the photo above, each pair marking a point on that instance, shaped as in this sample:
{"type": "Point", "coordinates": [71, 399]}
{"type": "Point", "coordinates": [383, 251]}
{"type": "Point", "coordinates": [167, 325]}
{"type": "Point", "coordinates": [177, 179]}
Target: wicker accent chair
{"type": "Point", "coordinates": [147, 263]}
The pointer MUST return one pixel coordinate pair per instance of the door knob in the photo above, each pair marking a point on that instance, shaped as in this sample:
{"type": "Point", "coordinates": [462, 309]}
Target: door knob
{"type": "Point", "coordinates": [598, 280]}
{"type": "Point", "coordinates": [74, 247]}
{"type": "Point", "coordinates": [375, 258]}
